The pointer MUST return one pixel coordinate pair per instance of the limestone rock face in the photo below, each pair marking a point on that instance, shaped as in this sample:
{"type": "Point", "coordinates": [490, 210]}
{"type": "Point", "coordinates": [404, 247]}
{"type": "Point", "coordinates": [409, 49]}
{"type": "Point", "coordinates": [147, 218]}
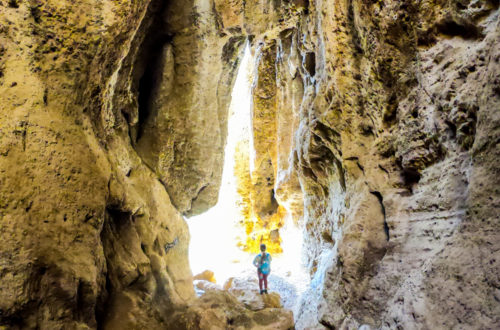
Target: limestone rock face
{"type": "Point", "coordinates": [290, 92]}
{"type": "Point", "coordinates": [394, 151]}
{"type": "Point", "coordinates": [262, 215]}
{"type": "Point", "coordinates": [105, 140]}
{"type": "Point", "coordinates": [182, 135]}
{"type": "Point", "coordinates": [246, 291]}
{"type": "Point", "coordinates": [393, 144]}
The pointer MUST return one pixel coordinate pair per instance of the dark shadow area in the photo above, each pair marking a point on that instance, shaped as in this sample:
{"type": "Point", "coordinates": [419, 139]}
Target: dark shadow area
{"type": "Point", "coordinates": [411, 177]}
{"type": "Point", "coordinates": [453, 28]}
{"type": "Point", "coordinates": [145, 68]}
{"type": "Point", "coordinates": [381, 201]}
{"type": "Point", "coordinates": [151, 58]}
{"type": "Point", "coordinates": [310, 63]}
{"type": "Point", "coordinates": [149, 79]}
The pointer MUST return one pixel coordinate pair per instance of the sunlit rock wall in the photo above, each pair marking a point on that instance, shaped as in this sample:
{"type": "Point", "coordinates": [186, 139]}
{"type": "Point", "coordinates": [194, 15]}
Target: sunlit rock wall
{"type": "Point", "coordinates": [190, 98]}
{"type": "Point", "coordinates": [267, 181]}
{"type": "Point", "coordinates": [256, 160]}
{"type": "Point", "coordinates": [290, 93]}
{"type": "Point", "coordinates": [112, 124]}
{"type": "Point", "coordinates": [394, 146]}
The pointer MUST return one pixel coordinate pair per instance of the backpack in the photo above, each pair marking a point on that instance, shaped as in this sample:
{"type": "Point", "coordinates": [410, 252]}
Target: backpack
{"type": "Point", "coordinates": [265, 265]}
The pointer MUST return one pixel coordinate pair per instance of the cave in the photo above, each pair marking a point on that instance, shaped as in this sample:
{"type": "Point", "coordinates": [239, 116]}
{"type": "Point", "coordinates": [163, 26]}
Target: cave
{"type": "Point", "coordinates": [148, 148]}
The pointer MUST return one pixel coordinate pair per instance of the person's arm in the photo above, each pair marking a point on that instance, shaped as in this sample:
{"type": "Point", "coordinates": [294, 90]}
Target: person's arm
{"type": "Point", "coordinates": [256, 261]}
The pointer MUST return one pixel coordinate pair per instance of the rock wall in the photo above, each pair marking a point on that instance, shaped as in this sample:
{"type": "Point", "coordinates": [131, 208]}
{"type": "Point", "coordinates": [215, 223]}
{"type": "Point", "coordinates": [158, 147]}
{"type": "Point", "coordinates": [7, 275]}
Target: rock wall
{"type": "Point", "coordinates": [394, 150]}
{"type": "Point", "coordinates": [106, 139]}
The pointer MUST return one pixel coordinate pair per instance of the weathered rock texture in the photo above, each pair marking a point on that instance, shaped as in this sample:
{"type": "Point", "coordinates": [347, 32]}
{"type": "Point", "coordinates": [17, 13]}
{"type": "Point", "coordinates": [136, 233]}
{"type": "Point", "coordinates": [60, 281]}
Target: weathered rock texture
{"type": "Point", "coordinates": [220, 310]}
{"type": "Point", "coordinates": [267, 183]}
{"type": "Point", "coordinates": [377, 121]}
{"type": "Point", "coordinates": [112, 124]}
{"type": "Point", "coordinates": [395, 152]}
{"type": "Point", "coordinates": [261, 216]}
{"type": "Point", "coordinates": [246, 291]}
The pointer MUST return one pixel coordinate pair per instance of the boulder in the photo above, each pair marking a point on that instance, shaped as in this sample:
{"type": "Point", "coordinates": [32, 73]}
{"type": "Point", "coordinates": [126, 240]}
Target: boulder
{"type": "Point", "coordinates": [206, 285]}
{"type": "Point", "coordinates": [221, 310]}
{"type": "Point", "coordinates": [246, 290]}
{"type": "Point", "coordinates": [206, 275]}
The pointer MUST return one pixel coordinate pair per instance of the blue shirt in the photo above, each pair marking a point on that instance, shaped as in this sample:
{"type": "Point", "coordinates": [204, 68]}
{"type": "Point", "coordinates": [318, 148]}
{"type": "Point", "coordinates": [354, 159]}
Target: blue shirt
{"type": "Point", "coordinates": [264, 266]}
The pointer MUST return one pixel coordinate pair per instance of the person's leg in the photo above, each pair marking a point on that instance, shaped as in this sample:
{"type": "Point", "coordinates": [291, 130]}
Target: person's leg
{"type": "Point", "coordinates": [265, 282]}
{"type": "Point", "coordinates": [260, 280]}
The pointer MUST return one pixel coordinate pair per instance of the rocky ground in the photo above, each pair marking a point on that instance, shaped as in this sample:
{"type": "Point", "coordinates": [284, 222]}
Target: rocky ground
{"type": "Point", "coordinates": [264, 311]}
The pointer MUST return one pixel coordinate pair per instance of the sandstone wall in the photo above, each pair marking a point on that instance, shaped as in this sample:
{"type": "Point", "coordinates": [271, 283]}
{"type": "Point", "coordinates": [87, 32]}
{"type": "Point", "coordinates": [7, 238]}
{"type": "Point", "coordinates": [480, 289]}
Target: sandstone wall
{"type": "Point", "coordinates": [395, 155]}
{"type": "Point", "coordinates": [113, 121]}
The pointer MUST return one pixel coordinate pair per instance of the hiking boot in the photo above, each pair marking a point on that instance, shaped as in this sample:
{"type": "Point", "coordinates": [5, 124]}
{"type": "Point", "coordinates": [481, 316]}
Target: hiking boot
{"type": "Point", "coordinates": [265, 291]}
{"type": "Point", "coordinates": [261, 291]}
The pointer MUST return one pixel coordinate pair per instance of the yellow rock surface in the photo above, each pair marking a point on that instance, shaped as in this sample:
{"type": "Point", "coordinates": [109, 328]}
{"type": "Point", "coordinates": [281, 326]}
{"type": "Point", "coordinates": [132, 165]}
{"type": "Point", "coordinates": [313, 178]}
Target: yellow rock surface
{"type": "Point", "coordinates": [206, 275]}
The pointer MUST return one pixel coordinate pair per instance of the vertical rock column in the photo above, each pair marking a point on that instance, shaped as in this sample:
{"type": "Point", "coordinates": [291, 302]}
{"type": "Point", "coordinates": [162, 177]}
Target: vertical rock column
{"type": "Point", "coordinates": [263, 215]}
{"type": "Point", "coordinates": [184, 134]}
{"type": "Point", "coordinates": [289, 95]}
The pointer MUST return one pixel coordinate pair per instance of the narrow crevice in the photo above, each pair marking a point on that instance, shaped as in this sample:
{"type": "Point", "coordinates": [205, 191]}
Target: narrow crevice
{"type": "Point", "coordinates": [310, 63]}
{"type": "Point", "coordinates": [115, 221]}
{"type": "Point", "coordinates": [193, 201]}
{"type": "Point", "coordinates": [149, 81]}
{"type": "Point", "coordinates": [452, 129]}
{"type": "Point", "coordinates": [452, 28]}
{"type": "Point", "coordinates": [146, 73]}
{"type": "Point", "coordinates": [102, 302]}
{"type": "Point", "coordinates": [157, 247]}
{"type": "Point", "coordinates": [381, 201]}
{"type": "Point", "coordinates": [340, 170]}
{"type": "Point", "coordinates": [219, 23]}
{"type": "Point", "coordinates": [361, 167]}
{"type": "Point", "coordinates": [327, 324]}
{"type": "Point", "coordinates": [85, 305]}
{"type": "Point", "coordinates": [274, 203]}
{"type": "Point", "coordinates": [79, 299]}
{"type": "Point", "coordinates": [356, 39]}
{"type": "Point", "coordinates": [383, 169]}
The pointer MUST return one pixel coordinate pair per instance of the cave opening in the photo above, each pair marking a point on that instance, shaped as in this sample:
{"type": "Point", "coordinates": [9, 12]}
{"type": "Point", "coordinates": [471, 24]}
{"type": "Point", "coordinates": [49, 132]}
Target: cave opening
{"type": "Point", "coordinates": [224, 239]}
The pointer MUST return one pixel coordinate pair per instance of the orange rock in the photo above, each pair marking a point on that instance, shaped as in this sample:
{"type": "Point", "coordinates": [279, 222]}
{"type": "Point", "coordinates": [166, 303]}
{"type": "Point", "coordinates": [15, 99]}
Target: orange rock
{"type": "Point", "coordinates": [206, 275]}
{"type": "Point", "coordinates": [228, 284]}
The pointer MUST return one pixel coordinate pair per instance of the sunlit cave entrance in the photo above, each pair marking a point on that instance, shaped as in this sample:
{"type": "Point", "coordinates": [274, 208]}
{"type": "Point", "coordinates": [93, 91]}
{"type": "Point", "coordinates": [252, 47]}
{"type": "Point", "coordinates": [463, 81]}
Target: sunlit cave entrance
{"type": "Point", "coordinates": [225, 239]}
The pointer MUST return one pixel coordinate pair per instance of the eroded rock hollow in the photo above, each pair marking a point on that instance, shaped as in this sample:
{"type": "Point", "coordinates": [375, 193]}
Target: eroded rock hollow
{"type": "Point", "coordinates": [375, 126]}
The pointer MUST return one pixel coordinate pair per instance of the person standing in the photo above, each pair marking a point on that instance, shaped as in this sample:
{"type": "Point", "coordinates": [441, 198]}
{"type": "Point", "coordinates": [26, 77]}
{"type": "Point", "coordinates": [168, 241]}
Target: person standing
{"type": "Point", "coordinates": [263, 263]}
